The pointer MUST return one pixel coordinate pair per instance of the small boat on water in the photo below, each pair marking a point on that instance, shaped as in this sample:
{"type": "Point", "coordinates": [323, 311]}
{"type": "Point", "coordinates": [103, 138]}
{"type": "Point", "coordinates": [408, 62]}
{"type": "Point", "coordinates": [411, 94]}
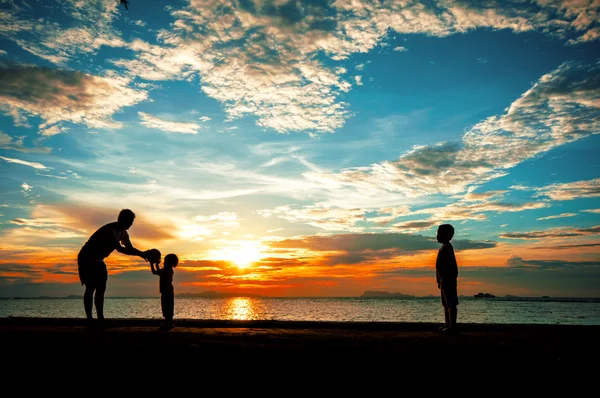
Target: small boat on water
{"type": "Point", "coordinates": [484, 295]}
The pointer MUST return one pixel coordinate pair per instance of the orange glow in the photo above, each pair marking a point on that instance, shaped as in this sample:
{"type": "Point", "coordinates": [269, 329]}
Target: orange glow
{"type": "Point", "coordinates": [241, 308]}
{"type": "Point", "coordinates": [242, 254]}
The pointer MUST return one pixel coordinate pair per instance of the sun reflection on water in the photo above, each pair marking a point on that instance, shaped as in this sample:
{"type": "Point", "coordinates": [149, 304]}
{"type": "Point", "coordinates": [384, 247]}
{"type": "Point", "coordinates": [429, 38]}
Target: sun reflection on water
{"type": "Point", "coordinates": [241, 308]}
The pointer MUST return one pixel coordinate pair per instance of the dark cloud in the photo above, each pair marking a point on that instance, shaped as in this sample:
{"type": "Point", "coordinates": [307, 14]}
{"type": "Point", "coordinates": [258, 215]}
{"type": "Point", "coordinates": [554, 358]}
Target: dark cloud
{"type": "Point", "coordinates": [553, 233]}
{"type": "Point", "coordinates": [58, 95]}
{"type": "Point", "coordinates": [6, 270]}
{"type": "Point", "coordinates": [516, 261]}
{"type": "Point", "coordinates": [376, 242]}
{"type": "Point", "coordinates": [564, 247]}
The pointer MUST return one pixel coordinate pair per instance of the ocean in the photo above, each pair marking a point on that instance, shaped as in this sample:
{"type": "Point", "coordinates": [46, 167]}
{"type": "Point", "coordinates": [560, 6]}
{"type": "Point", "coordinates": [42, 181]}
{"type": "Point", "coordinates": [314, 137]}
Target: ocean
{"type": "Point", "coordinates": [351, 309]}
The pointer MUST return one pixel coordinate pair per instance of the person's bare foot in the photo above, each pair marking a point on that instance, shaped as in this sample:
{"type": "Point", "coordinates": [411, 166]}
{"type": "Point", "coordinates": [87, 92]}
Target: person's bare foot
{"type": "Point", "coordinates": [450, 330]}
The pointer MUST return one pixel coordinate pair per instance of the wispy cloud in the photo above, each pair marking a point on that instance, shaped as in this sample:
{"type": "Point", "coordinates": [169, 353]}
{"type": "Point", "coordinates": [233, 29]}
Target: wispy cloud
{"type": "Point", "coordinates": [331, 219]}
{"type": "Point", "coordinates": [16, 144]}
{"type": "Point", "coordinates": [83, 27]}
{"type": "Point", "coordinates": [169, 126]}
{"type": "Point", "coordinates": [592, 211]}
{"type": "Point", "coordinates": [541, 119]}
{"type": "Point", "coordinates": [35, 165]}
{"type": "Point", "coordinates": [568, 190]}
{"type": "Point", "coordinates": [562, 215]}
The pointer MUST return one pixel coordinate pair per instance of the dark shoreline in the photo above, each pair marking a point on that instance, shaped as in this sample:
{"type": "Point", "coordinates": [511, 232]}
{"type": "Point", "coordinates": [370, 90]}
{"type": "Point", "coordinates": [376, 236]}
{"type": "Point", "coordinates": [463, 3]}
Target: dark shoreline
{"type": "Point", "coordinates": [66, 339]}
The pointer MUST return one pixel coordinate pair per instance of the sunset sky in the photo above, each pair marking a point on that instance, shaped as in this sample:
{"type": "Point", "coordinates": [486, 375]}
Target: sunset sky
{"type": "Point", "coordinates": [302, 148]}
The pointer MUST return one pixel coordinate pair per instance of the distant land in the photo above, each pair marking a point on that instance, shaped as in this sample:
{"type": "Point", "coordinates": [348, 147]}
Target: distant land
{"type": "Point", "coordinates": [367, 294]}
{"type": "Point", "coordinates": [379, 293]}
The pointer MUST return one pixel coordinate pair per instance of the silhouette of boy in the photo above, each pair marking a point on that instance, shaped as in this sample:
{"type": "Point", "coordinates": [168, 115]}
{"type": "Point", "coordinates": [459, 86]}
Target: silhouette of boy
{"type": "Point", "coordinates": [447, 275]}
{"type": "Point", "coordinates": [90, 260]}
{"type": "Point", "coordinates": [167, 292]}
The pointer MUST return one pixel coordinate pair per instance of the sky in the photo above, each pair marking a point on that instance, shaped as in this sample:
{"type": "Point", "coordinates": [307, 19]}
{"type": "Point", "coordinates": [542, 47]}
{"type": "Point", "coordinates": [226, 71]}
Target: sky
{"type": "Point", "coordinates": [302, 148]}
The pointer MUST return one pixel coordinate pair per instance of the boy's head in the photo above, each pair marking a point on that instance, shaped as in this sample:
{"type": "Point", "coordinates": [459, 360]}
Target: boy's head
{"type": "Point", "coordinates": [171, 260]}
{"type": "Point", "coordinates": [445, 233]}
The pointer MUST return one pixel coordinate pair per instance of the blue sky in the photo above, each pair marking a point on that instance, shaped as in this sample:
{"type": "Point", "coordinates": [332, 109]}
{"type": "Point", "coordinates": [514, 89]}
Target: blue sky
{"type": "Point", "coordinates": [256, 139]}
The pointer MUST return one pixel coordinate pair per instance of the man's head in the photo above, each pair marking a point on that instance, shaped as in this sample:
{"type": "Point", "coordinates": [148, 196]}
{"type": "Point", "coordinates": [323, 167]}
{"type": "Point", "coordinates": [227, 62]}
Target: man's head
{"type": "Point", "coordinates": [171, 260]}
{"type": "Point", "coordinates": [126, 218]}
{"type": "Point", "coordinates": [445, 233]}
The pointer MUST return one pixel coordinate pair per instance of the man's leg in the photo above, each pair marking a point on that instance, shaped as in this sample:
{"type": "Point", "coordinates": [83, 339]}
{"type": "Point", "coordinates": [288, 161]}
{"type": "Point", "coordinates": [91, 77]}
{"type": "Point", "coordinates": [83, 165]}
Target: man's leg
{"type": "Point", "coordinates": [101, 278]}
{"type": "Point", "coordinates": [99, 301]}
{"type": "Point", "coordinates": [88, 300]}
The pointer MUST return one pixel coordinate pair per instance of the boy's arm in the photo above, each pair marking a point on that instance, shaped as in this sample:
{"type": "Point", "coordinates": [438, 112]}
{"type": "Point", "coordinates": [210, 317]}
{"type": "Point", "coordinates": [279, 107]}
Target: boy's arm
{"type": "Point", "coordinates": [155, 269]}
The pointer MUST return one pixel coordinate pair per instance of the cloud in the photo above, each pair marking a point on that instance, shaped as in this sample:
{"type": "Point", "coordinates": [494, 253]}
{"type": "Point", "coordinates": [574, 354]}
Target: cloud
{"type": "Point", "coordinates": [411, 226]}
{"type": "Point", "coordinates": [74, 221]}
{"type": "Point", "coordinates": [58, 95]}
{"type": "Point", "coordinates": [592, 211]}
{"type": "Point", "coordinates": [541, 119]}
{"type": "Point", "coordinates": [35, 165]}
{"type": "Point", "coordinates": [361, 248]}
{"type": "Point", "coordinates": [569, 190]}
{"type": "Point", "coordinates": [270, 59]}
{"type": "Point", "coordinates": [566, 232]}
{"type": "Point", "coordinates": [165, 125]}
{"type": "Point", "coordinates": [566, 247]}
{"type": "Point", "coordinates": [400, 49]}
{"type": "Point", "coordinates": [77, 28]}
{"type": "Point", "coordinates": [328, 218]}
{"type": "Point", "coordinates": [517, 262]}
{"type": "Point", "coordinates": [562, 215]}
{"type": "Point", "coordinates": [26, 187]}
{"type": "Point", "coordinates": [260, 58]}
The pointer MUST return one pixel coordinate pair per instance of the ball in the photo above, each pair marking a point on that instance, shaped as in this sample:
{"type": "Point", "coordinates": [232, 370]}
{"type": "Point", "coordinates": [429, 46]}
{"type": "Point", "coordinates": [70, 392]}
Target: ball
{"type": "Point", "coordinates": [154, 256]}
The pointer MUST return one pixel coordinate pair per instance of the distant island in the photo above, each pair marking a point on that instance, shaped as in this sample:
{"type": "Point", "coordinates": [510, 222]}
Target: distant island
{"type": "Point", "coordinates": [378, 293]}
{"type": "Point", "coordinates": [484, 295]}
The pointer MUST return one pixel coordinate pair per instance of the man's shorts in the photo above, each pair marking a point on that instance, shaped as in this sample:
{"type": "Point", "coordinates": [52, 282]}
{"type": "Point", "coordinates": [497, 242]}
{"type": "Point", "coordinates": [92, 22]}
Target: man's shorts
{"type": "Point", "coordinates": [449, 295]}
{"type": "Point", "coordinates": [92, 272]}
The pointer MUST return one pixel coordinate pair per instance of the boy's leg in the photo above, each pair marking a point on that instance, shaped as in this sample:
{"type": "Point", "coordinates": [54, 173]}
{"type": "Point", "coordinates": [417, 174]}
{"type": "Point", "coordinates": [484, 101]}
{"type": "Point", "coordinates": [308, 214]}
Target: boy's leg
{"type": "Point", "coordinates": [446, 313]}
{"type": "Point", "coordinates": [453, 314]}
{"type": "Point", "coordinates": [166, 305]}
{"type": "Point", "coordinates": [170, 309]}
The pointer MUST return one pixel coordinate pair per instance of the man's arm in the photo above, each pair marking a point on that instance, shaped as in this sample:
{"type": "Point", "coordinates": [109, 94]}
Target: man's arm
{"type": "Point", "coordinates": [126, 247]}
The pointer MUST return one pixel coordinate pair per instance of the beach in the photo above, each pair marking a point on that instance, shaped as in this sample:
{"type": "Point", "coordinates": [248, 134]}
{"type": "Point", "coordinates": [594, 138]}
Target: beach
{"type": "Point", "coordinates": [140, 340]}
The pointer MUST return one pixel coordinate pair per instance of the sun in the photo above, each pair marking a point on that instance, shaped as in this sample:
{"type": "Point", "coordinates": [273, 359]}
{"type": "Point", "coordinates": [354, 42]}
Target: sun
{"type": "Point", "coordinates": [243, 255]}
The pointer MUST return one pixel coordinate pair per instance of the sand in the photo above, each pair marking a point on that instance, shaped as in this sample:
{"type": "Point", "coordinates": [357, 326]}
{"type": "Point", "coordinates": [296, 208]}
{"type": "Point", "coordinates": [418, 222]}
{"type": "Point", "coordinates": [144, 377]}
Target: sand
{"type": "Point", "coordinates": [138, 344]}
{"type": "Point", "coordinates": [133, 356]}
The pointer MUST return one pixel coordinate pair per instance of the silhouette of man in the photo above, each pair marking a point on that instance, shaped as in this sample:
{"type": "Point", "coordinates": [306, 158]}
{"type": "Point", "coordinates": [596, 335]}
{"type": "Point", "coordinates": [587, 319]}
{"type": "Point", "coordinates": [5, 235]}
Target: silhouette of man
{"type": "Point", "coordinates": [90, 261]}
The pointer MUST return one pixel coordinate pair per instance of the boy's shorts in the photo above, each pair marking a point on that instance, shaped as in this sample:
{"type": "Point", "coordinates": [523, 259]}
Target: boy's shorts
{"type": "Point", "coordinates": [449, 295]}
